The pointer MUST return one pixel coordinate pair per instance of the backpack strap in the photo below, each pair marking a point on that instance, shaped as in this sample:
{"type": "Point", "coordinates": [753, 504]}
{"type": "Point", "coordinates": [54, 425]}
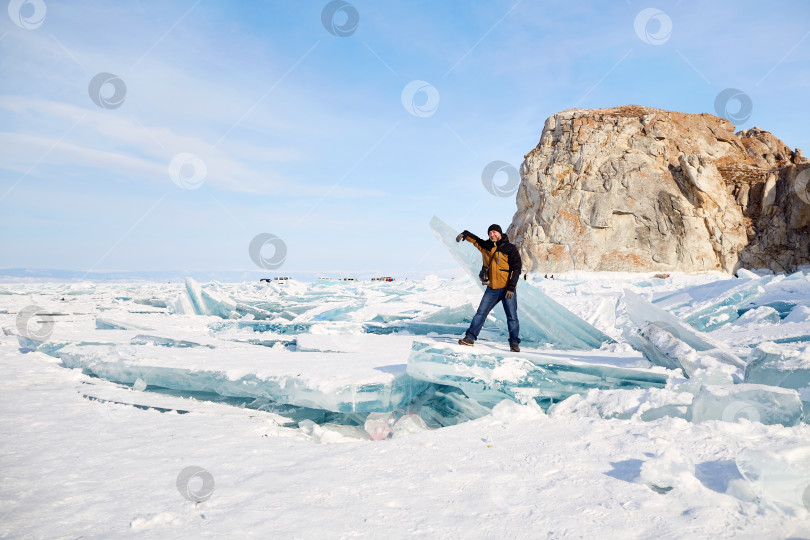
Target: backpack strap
{"type": "Point", "coordinates": [497, 247]}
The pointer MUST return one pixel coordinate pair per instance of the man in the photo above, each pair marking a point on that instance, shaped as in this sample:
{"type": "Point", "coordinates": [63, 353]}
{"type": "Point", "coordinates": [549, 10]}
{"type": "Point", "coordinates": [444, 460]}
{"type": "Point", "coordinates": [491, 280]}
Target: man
{"type": "Point", "coordinates": [503, 264]}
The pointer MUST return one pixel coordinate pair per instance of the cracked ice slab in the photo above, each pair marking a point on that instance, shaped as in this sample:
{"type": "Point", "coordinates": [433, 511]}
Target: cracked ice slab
{"type": "Point", "coordinates": [367, 377]}
{"type": "Point", "coordinates": [541, 318]}
{"type": "Point", "coordinates": [489, 374]}
{"type": "Point", "coordinates": [642, 313]}
{"type": "Point", "coordinates": [659, 344]}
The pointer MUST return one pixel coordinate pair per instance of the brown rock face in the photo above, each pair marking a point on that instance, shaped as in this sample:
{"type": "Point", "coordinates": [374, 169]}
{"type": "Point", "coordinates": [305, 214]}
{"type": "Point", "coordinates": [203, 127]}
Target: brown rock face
{"type": "Point", "coordinates": [638, 189]}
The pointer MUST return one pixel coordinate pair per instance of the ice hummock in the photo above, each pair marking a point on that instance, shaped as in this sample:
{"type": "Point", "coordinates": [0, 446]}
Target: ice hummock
{"type": "Point", "coordinates": [654, 319]}
{"type": "Point", "coordinates": [334, 319]}
{"type": "Point", "coordinates": [489, 375]}
{"type": "Point", "coordinates": [753, 402]}
{"type": "Point", "coordinates": [758, 316]}
{"type": "Point", "coordinates": [541, 318]}
{"type": "Point", "coordinates": [198, 300]}
{"type": "Point", "coordinates": [785, 366]}
{"type": "Point", "coordinates": [363, 383]}
{"type": "Point", "coordinates": [726, 308]}
{"type": "Point", "coordinates": [658, 343]}
{"type": "Point", "coordinates": [779, 365]}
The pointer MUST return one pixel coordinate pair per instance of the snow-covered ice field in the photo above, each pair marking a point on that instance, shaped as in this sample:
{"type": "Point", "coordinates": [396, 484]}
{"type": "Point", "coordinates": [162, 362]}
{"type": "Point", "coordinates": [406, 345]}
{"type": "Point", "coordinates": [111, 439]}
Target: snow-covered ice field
{"type": "Point", "coordinates": [250, 409]}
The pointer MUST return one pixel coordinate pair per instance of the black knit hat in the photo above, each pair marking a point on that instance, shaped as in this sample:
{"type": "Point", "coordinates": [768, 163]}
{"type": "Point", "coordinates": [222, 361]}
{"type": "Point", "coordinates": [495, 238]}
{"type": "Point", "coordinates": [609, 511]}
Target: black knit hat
{"type": "Point", "coordinates": [495, 227]}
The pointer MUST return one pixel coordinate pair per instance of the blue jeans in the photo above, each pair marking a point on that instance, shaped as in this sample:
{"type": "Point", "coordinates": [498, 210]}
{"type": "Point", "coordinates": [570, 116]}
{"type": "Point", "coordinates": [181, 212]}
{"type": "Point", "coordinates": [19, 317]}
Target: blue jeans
{"type": "Point", "coordinates": [490, 299]}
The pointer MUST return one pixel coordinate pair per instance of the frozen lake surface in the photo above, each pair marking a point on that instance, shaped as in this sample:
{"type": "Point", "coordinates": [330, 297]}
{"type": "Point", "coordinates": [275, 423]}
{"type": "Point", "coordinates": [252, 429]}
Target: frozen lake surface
{"type": "Point", "coordinates": [673, 407]}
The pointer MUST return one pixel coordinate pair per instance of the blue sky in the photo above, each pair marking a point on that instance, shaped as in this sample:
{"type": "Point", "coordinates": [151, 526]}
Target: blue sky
{"type": "Point", "coordinates": [304, 135]}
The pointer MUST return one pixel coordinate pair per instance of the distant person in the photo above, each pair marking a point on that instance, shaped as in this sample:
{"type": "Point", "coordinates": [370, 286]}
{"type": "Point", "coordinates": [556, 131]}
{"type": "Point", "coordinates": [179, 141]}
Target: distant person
{"type": "Point", "coordinates": [500, 274]}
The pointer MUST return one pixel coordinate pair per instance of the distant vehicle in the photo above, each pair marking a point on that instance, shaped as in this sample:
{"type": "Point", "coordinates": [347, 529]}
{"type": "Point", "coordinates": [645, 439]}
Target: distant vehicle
{"type": "Point", "coordinates": [325, 278]}
{"type": "Point", "coordinates": [349, 279]}
{"type": "Point", "coordinates": [386, 278]}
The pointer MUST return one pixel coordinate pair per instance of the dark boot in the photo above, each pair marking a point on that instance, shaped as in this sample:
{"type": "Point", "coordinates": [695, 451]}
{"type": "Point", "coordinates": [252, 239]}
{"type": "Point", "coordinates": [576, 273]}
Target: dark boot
{"type": "Point", "coordinates": [466, 341]}
{"type": "Point", "coordinates": [514, 347]}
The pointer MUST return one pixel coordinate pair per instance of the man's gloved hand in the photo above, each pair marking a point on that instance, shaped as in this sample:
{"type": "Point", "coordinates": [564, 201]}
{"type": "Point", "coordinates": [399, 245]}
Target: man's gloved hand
{"type": "Point", "coordinates": [463, 234]}
{"type": "Point", "coordinates": [510, 294]}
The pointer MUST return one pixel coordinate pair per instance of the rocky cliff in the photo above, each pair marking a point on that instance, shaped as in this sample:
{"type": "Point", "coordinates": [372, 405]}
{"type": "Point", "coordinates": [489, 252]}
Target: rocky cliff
{"type": "Point", "coordinates": [638, 189]}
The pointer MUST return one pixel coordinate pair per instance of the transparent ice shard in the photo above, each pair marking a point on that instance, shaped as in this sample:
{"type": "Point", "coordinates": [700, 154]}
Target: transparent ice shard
{"type": "Point", "coordinates": [642, 312]}
{"type": "Point", "coordinates": [725, 309]}
{"type": "Point", "coordinates": [143, 339]}
{"type": "Point", "coordinates": [408, 425]}
{"type": "Point", "coordinates": [182, 305]}
{"type": "Point", "coordinates": [194, 292]}
{"type": "Point", "coordinates": [256, 312]}
{"type": "Point", "coordinates": [381, 329]}
{"type": "Point", "coordinates": [382, 391]}
{"type": "Point", "coordinates": [341, 313]}
{"type": "Point", "coordinates": [154, 302]}
{"type": "Point", "coordinates": [541, 318]}
{"type": "Point", "coordinates": [658, 345]}
{"type": "Point", "coordinates": [760, 315]}
{"type": "Point", "coordinates": [709, 319]}
{"type": "Point", "coordinates": [52, 347]}
{"type": "Point", "coordinates": [781, 477]}
{"type": "Point", "coordinates": [276, 326]}
{"type": "Point", "coordinates": [105, 323]}
{"type": "Point", "coordinates": [779, 365]}
{"type": "Point", "coordinates": [694, 297]}
{"type": "Point", "coordinates": [490, 376]}
{"type": "Point", "coordinates": [459, 314]}
{"type": "Point", "coordinates": [781, 306]}
{"type": "Point", "coordinates": [219, 305]}
{"type": "Point", "coordinates": [387, 318]}
{"type": "Point", "coordinates": [450, 406]}
{"type": "Point", "coordinates": [212, 300]}
{"type": "Point", "coordinates": [754, 402]}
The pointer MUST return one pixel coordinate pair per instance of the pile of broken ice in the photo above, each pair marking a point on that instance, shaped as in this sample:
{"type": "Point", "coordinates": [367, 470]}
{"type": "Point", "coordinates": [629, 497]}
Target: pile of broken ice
{"type": "Point", "coordinates": [383, 357]}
